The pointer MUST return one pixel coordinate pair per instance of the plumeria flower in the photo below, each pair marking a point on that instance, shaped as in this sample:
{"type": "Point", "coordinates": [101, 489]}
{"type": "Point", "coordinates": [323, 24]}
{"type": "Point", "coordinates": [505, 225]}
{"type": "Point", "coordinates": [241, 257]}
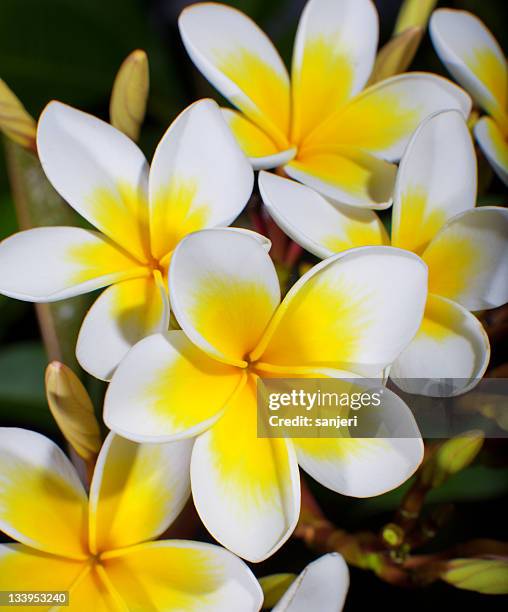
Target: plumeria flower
{"type": "Point", "coordinates": [100, 549]}
{"type": "Point", "coordinates": [199, 178]}
{"type": "Point", "coordinates": [475, 59]}
{"type": "Point", "coordinates": [322, 128]}
{"type": "Point", "coordinates": [349, 316]}
{"type": "Point", "coordinates": [321, 586]}
{"type": "Point", "coordinates": [434, 216]}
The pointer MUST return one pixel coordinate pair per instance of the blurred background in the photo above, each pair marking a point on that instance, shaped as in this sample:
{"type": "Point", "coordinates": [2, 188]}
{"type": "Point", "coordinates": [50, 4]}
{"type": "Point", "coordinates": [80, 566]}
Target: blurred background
{"type": "Point", "coordinates": [70, 50]}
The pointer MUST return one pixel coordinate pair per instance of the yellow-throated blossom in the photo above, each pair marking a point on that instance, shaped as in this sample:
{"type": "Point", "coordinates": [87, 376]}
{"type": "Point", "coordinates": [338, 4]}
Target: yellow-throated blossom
{"type": "Point", "coordinates": [477, 62]}
{"type": "Point", "coordinates": [350, 315]}
{"type": "Point", "coordinates": [321, 128]}
{"type": "Point", "coordinates": [99, 548]}
{"type": "Point", "coordinates": [434, 215]}
{"type": "Point", "coordinates": [321, 586]}
{"type": "Point", "coordinates": [199, 178]}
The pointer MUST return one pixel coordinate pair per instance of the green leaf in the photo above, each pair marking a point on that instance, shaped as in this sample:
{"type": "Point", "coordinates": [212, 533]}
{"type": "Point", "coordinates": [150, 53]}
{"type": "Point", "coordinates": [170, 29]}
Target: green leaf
{"type": "Point", "coordinates": [8, 222]}
{"type": "Point", "coordinates": [474, 483]}
{"type": "Point", "coordinates": [71, 51]}
{"type": "Point", "coordinates": [22, 374]}
{"type": "Point", "coordinates": [11, 313]}
{"type": "Point", "coordinates": [22, 397]}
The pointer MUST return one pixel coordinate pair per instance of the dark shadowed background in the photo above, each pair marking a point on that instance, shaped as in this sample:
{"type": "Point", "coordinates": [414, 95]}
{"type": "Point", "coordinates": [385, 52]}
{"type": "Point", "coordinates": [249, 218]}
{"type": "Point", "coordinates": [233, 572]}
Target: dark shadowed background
{"type": "Point", "coordinates": [70, 50]}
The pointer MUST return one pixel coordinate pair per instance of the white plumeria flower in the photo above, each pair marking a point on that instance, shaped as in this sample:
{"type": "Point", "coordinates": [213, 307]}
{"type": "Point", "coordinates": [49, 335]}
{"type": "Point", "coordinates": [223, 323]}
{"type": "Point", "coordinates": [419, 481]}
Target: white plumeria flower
{"type": "Point", "coordinates": [434, 215]}
{"type": "Point", "coordinates": [475, 59]}
{"type": "Point", "coordinates": [199, 178]}
{"type": "Point", "coordinates": [320, 127]}
{"type": "Point", "coordinates": [322, 586]}
{"type": "Point", "coordinates": [351, 315]}
{"type": "Point", "coordinates": [103, 548]}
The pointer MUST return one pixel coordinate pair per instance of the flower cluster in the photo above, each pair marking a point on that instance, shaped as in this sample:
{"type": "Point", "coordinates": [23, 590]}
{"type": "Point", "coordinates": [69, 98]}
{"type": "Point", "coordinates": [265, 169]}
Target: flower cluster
{"type": "Point", "coordinates": [192, 314]}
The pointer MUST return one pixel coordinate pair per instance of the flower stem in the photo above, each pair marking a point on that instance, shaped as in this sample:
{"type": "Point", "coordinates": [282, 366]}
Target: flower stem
{"type": "Point", "coordinates": [37, 204]}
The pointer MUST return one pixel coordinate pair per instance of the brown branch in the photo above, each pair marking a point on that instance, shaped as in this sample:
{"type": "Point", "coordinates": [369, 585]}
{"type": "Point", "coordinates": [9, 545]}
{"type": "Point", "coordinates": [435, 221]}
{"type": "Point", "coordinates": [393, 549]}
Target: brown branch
{"type": "Point", "coordinates": [370, 551]}
{"type": "Point", "coordinates": [37, 204]}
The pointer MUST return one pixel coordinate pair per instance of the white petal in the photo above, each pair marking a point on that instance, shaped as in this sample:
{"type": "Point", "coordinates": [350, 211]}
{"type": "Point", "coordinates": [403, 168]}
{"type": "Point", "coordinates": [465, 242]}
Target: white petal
{"type": "Point", "coordinates": [436, 180]}
{"type": "Point", "coordinates": [241, 62]}
{"type": "Point", "coordinates": [99, 171]}
{"type": "Point", "coordinates": [355, 311]}
{"type": "Point", "coordinates": [468, 260]}
{"type": "Point", "coordinates": [223, 290]}
{"type": "Point", "coordinates": [472, 55]}
{"type": "Point", "coordinates": [382, 118]}
{"type": "Point", "coordinates": [199, 177]}
{"type": "Point", "coordinates": [448, 356]}
{"type": "Point", "coordinates": [347, 175]}
{"type": "Point", "coordinates": [367, 466]}
{"type": "Point", "coordinates": [262, 152]}
{"type": "Point", "coordinates": [183, 575]}
{"type": "Point", "coordinates": [166, 389]}
{"type": "Point", "coordinates": [239, 480]}
{"type": "Point", "coordinates": [42, 501]}
{"type": "Point", "coordinates": [315, 223]}
{"type": "Point", "coordinates": [273, 161]}
{"type": "Point", "coordinates": [322, 586]}
{"type": "Point", "coordinates": [121, 316]}
{"type": "Point", "coordinates": [23, 568]}
{"type": "Point", "coordinates": [333, 56]}
{"type": "Point", "coordinates": [137, 491]}
{"type": "Point", "coordinates": [494, 146]}
{"type": "Point", "coordinates": [52, 263]}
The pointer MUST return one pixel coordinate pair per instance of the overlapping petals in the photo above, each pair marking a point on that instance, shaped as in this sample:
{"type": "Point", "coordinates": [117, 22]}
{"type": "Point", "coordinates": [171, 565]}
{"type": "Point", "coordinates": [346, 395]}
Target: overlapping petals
{"type": "Point", "coordinates": [199, 178]}
{"type": "Point", "coordinates": [237, 57]}
{"type": "Point", "coordinates": [136, 492]}
{"type": "Point", "coordinates": [99, 171]}
{"type": "Point", "coordinates": [327, 43]}
{"type": "Point", "coordinates": [122, 315]}
{"type": "Point", "coordinates": [321, 226]}
{"type": "Point", "coordinates": [320, 128]}
{"type": "Point", "coordinates": [259, 148]}
{"type": "Point", "coordinates": [202, 380]}
{"type": "Point", "coordinates": [465, 249]}
{"type": "Point", "coordinates": [450, 345]}
{"type": "Point", "coordinates": [467, 259]}
{"type": "Point", "coordinates": [437, 179]}
{"type": "Point", "coordinates": [346, 174]}
{"type": "Point", "coordinates": [162, 372]}
{"type": "Point", "coordinates": [433, 216]}
{"type": "Point", "coordinates": [381, 119]}
{"type": "Point", "coordinates": [215, 264]}
{"type": "Point", "coordinates": [474, 58]}
{"type": "Point", "coordinates": [346, 306]}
